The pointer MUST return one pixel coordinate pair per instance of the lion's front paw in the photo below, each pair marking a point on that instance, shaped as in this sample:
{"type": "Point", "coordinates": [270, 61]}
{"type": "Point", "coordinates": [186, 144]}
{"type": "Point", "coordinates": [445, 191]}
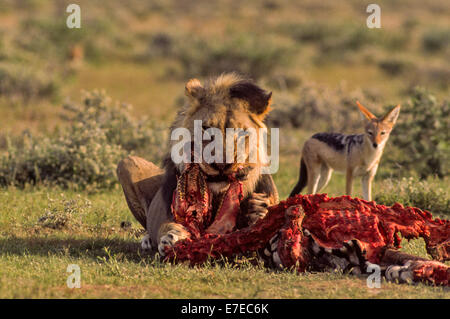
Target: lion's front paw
{"type": "Point", "coordinates": [169, 239]}
{"type": "Point", "coordinates": [257, 208]}
{"type": "Point", "coordinates": [146, 243]}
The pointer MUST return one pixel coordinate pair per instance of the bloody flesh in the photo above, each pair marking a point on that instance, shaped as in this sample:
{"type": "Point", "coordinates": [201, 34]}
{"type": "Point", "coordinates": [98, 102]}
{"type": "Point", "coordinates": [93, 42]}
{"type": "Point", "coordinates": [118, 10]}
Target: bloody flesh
{"type": "Point", "coordinates": [331, 222]}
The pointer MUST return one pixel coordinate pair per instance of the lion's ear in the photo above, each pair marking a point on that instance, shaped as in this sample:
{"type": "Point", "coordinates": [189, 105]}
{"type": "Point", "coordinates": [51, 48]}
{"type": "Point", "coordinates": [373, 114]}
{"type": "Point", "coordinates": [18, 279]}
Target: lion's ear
{"type": "Point", "coordinates": [258, 99]}
{"type": "Point", "coordinates": [194, 89]}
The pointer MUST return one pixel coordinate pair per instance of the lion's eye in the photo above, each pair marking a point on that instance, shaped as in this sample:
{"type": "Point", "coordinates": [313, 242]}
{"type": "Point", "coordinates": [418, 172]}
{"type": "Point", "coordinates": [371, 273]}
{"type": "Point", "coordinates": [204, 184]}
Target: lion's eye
{"type": "Point", "coordinates": [370, 133]}
{"type": "Point", "coordinates": [382, 133]}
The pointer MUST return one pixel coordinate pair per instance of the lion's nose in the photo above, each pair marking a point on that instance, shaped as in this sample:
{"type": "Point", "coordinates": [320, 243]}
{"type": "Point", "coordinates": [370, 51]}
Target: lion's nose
{"type": "Point", "coordinates": [375, 145]}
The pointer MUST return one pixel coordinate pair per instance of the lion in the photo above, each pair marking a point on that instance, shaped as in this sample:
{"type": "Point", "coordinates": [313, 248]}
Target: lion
{"type": "Point", "coordinates": [227, 101]}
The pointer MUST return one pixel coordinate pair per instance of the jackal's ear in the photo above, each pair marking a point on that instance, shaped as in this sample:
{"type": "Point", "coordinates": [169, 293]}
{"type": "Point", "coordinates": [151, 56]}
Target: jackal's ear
{"type": "Point", "coordinates": [194, 89]}
{"type": "Point", "coordinates": [367, 114]}
{"type": "Point", "coordinates": [258, 99]}
{"type": "Point", "coordinates": [392, 116]}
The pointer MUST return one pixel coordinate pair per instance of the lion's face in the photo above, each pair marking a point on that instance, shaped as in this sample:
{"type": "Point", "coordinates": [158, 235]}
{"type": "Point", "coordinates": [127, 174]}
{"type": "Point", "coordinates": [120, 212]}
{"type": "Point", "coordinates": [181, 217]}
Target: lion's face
{"type": "Point", "coordinates": [225, 103]}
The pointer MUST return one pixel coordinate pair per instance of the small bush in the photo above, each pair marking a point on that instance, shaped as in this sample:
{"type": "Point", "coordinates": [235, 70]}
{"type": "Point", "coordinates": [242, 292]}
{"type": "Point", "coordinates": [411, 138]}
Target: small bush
{"type": "Point", "coordinates": [314, 107]}
{"type": "Point", "coordinates": [161, 44]}
{"type": "Point", "coordinates": [313, 32]}
{"type": "Point", "coordinates": [349, 39]}
{"type": "Point", "coordinates": [83, 155]}
{"type": "Point", "coordinates": [51, 37]}
{"type": "Point", "coordinates": [249, 55]}
{"type": "Point", "coordinates": [426, 195]}
{"type": "Point", "coordinates": [420, 140]}
{"type": "Point", "coordinates": [437, 73]}
{"type": "Point", "coordinates": [79, 157]}
{"type": "Point", "coordinates": [120, 128]}
{"type": "Point", "coordinates": [436, 40]}
{"type": "Point", "coordinates": [394, 66]}
{"type": "Point", "coordinates": [65, 213]}
{"type": "Point", "coordinates": [337, 38]}
{"type": "Point", "coordinates": [26, 83]}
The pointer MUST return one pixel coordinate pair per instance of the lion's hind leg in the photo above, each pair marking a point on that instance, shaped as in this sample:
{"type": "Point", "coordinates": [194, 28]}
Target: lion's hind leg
{"type": "Point", "coordinates": [140, 180]}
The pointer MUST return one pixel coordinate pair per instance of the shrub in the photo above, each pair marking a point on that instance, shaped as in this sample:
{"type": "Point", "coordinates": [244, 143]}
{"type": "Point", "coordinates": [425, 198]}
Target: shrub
{"type": "Point", "coordinates": [426, 195]}
{"type": "Point", "coordinates": [25, 83]}
{"type": "Point", "coordinates": [394, 66]}
{"type": "Point", "coordinates": [437, 73]}
{"type": "Point", "coordinates": [349, 39]}
{"type": "Point", "coordinates": [115, 120]}
{"type": "Point", "coordinates": [313, 32]}
{"type": "Point", "coordinates": [249, 55]}
{"type": "Point", "coordinates": [333, 38]}
{"type": "Point", "coordinates": [65, 213]}
{"type": "Point", "coordinates": [315, 107]}
{"type": "Point", "coordinates": [156, 45]}
{"type": "Point", "coordinates": [83, 155]}
{"type": "Point", "coordinates": [48, 37]}
{"type": "Point", "coordinates": [51, 37]}
{"type": "Point", "coordinates": [79, 157]}
{"type": "Point", "coordinates": [420, 140]}
{"type": "Point", "coordinates": [161, 44]}
{"type": "Point", "coordinates": [436, 40]}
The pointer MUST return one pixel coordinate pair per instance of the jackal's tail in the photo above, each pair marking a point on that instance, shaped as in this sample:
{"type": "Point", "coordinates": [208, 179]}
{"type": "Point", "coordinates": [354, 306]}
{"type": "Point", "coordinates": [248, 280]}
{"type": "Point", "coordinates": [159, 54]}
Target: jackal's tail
{"type": "Point", "coordinates": [302, 180]}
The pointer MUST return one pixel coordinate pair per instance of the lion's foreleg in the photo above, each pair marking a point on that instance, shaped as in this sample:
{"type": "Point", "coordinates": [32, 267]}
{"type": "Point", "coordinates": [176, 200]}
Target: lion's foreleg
{"type": "Point", "coordinates": [169, 233]}
{"type": "Point", "coordinates": [264, 195]}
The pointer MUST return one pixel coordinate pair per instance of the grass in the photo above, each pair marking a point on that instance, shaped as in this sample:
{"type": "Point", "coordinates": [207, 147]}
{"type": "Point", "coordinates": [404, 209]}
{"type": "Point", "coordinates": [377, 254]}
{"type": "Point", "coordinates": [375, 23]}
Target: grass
{"type": "Point", "coordinates": [34, 258]}
{"type": "Point", "coordinates": [44, 276]}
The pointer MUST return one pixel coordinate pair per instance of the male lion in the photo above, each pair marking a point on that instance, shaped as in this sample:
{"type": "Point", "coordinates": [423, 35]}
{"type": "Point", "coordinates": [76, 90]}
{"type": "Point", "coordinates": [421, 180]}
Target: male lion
{"type": "Point", "coordinates": [227, 101]}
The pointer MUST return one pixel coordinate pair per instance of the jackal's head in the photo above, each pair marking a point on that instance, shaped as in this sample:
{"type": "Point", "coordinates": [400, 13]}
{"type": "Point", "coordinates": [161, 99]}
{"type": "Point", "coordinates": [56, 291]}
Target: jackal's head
{"type": "Point", "coordinates": [377, 130]}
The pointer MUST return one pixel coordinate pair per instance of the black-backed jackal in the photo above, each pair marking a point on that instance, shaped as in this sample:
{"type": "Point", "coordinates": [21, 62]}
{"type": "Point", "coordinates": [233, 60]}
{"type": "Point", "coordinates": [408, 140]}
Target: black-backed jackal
{"type": "Point", "coordinates": [356, 155]}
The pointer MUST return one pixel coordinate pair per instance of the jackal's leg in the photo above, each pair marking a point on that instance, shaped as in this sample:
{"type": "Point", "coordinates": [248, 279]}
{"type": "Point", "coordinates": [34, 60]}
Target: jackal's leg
{"type": "Point", "coordinates": [366, 183]}
{"type": "Point", "coordinates": [313, 178]}
{"type": "Point", "coordinates": [325, 175]}
{"type": "Point", "coordinates": [140, 182]}
{"type": "Point", "coordinates": [349, 182]}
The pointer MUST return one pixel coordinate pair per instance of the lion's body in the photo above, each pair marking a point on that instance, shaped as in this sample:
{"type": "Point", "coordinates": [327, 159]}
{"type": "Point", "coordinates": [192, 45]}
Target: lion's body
{"type": "Point", "coordinates": [225, 102]}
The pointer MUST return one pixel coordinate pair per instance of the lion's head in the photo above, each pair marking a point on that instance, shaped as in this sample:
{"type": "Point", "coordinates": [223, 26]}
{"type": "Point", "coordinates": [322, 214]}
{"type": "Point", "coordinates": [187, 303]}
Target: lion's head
{"type": "Point", "coordinates": [226, 102]}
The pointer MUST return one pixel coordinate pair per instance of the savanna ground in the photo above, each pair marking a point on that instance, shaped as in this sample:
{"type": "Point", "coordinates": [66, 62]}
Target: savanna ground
{"type": "Point", "coordinates": [59, 200]}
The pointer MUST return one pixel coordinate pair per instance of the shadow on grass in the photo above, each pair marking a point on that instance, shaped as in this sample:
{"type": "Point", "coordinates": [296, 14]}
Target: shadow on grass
{"type": "Point", "coordinates": [90, 247]}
